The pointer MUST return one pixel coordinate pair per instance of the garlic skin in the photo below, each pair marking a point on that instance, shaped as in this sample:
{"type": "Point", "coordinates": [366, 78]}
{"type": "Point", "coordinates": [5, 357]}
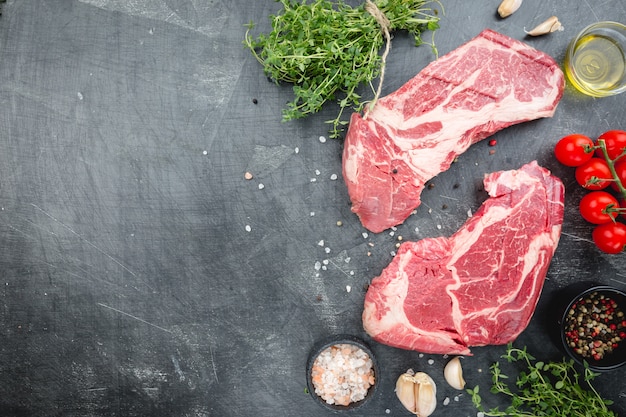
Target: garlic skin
{"type": "Point", "coordinates": [508, 7]}
{"type": "Point", "coordinates": [453, 373]}
{"type": "Point", "coordinates": [552, 24]}
{"type": "Point", "coordinates": [417, 392]}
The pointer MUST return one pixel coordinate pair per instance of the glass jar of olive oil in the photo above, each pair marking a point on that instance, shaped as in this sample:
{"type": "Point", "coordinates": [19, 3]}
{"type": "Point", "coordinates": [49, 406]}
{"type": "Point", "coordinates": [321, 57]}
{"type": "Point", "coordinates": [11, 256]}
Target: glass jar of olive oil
{"type": "Point", "coordinates": [595, 61]}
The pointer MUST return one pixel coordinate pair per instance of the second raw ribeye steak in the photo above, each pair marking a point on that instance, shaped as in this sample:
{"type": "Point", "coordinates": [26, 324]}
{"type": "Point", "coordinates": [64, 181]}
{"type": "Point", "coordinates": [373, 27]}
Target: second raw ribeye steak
{"type": "Point", "coordinates": [480, 286]}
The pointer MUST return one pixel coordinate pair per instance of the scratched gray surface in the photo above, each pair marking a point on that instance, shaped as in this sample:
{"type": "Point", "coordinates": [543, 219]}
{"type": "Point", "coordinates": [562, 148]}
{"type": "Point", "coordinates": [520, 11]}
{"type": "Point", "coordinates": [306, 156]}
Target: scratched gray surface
{"type": "Point", "coordinates": [142, 275]}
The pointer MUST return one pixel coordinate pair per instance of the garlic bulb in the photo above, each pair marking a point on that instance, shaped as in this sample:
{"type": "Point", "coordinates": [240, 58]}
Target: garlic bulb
{"type": "Point", "coordinates": [552, 24]}
{"type": "Point", "coordinates": [508, 7]}
{"type": "Point", "coordinates": [454, 374]}
{"type": "Point", "coordinates": [417, 392]}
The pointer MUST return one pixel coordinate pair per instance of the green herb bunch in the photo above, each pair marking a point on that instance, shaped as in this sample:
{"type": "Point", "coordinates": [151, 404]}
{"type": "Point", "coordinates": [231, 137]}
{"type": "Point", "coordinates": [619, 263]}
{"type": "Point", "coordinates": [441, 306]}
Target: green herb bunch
{"type": "Point", "coordinates": [544, 389]}
{"type": "Point", "coordinates": [328, 49]}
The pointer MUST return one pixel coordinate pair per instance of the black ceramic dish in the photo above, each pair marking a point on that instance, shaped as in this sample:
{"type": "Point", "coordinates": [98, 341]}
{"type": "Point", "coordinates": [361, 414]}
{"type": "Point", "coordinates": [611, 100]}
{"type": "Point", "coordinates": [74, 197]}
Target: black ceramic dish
{"type": "Point", "coordinates": [611, 360]}
{"type": "Point", "coordinates": [335, 340]}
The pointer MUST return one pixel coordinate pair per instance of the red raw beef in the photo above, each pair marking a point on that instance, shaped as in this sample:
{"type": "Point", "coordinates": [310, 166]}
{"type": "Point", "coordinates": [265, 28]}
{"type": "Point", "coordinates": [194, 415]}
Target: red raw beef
{"type": "Point", "coordinates": [480, 286]}
{"type": "Point", "coordinates": [413, 134]}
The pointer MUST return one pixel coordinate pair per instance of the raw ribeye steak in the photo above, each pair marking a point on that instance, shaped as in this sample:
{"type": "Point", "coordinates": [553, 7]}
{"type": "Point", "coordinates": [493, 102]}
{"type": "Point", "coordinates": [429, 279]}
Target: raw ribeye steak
{"type": "Point", "coordinates": [413, 134]}
{"type": "Point", "coordinates": [480, 286]}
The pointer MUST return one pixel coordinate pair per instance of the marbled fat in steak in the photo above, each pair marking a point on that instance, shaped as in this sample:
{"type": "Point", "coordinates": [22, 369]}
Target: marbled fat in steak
{"type": "Point", "coordinates": [413, 134]}
{"type": "Point", "coordinates": [480, 286]}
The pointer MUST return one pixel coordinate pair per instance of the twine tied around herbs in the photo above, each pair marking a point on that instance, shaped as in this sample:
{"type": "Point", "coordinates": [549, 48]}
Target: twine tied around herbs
{"type": "Point", "coordinates": [384, 23]}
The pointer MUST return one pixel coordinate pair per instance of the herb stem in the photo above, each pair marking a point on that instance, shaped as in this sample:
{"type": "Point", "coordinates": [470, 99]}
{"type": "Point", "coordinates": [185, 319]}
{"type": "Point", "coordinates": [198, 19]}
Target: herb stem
{"type": "Point", "coordinates": [544, 389]}
{"type": "Point", "coordinates": [327, 50]}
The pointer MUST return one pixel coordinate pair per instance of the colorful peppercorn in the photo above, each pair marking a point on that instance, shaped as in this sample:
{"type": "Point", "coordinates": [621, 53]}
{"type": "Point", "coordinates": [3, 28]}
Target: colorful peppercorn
{"type": "Point", "coordinates": [594, 326]}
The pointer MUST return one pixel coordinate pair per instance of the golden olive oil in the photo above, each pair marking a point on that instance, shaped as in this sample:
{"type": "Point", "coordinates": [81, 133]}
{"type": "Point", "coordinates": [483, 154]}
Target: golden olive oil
{"type": "Point", "coordinates": [598, 65]}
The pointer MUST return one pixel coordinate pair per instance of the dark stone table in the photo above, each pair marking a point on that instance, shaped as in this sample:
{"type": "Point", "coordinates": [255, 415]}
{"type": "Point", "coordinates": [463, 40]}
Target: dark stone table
{"type": "Point", "coordinates": [142, 275]}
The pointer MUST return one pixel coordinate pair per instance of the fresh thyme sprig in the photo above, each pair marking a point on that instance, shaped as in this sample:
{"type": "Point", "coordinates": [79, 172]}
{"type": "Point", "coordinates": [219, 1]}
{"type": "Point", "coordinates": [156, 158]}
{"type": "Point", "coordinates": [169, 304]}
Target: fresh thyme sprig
{"type": "Point", "coordinates": [328, 49]}
{"type": "Point", "coordinates": [544, 389]}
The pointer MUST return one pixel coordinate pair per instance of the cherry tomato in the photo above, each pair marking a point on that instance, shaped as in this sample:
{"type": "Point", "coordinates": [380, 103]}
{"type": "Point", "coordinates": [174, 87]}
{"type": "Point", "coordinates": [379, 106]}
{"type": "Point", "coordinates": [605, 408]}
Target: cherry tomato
{"type": "Point", "coordinates": [610, 237]}
{"type": "Point", "coordinates": [615, 141]}
{"type": "Point", "coordinates": [594, 174]}
{"type": "Point", "coordinates": [596, 207]}
{"type": "Point", "coordinates": [572, 150]}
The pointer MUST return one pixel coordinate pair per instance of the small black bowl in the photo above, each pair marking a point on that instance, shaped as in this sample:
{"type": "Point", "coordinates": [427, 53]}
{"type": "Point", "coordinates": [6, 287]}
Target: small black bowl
{"type": "Point", "coordinates": [322, 345]}
{"type": "Point", "coordinates": [609, 361]}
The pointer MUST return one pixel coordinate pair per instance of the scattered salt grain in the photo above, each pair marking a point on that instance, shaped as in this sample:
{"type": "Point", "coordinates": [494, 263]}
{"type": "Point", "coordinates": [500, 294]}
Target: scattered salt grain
{"type": "Point", "coordinates": [327, 250]}
{"type": "Point", "coordinates": [347, 260]}
{"type": "Point", "coordinates": [324, 268]}
{"type": "Point", "coordinates": [312, 214]}
{"type": "Point", "coordinates": [348, 288]}
{"type": "Point", "coordinates": [325, 261]}
{"type": "Point", "coordinates": [431, 361]}
{"type": "Point", "coordinates": [205, 152]}
{"type": "Point", "coordinates": [320, 243]}
{"type": "Point", "coordinates": [469, 213]}
{"type": "Point", "coordinates": [480, 414]}
{"type": "Point", "coordinates": [80, 95]}
{"type": "Point", "coordinates": [439, 226]}
{"type": "Point", "coordinates": [352, 273]}
{"type": "Point", "coordinates": [261, 186]}
{"type": "Point", "coordinates": [297, 150]}
{"type": "Point", "coordinates": [421, 355]}
{"type": "Point", "coordinates": [248, 228]}
{"type": "Point", "coordinates": [456, 398]}
{"type": "Point", "coordinates": [365, 235]}
{"type": "Point", "coordinates": [333, 177]}
{"type": "Point", "coordinates": [317, 172]}
{"type": "Point", "coordinates": [342, 374]}
{"type": "Point", "coordinates": [387, 411]}
{"type": "Point", "coordinates": [392, 233]}
{"type": "Point", "coordinates": [446, 401]}
{"type": "Point", "coordinates": [318, 265]}
{"type": "Point", "coordinates": [247, 175]}
{"type": "Point", "coordinates": [313, 179]}
{"type": "Point", "coordinates": [322, 139]}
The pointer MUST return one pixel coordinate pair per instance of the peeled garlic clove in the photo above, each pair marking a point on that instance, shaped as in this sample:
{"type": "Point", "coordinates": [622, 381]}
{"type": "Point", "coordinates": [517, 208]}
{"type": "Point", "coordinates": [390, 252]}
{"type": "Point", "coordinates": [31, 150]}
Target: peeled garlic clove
{"type": "Point", "coordinates": [453, 372]}
{"type": "Point", "coordinates": [549, 26]}
{"type": "Point", "coordinates": [508, 7]}
{"type": "Point", "coordinates": [417, 392]}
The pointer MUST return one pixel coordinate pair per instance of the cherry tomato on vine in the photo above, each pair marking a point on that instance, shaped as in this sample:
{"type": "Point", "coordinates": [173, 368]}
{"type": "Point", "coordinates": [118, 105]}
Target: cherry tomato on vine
{"type": "Point", "coordinates": [571, 150]}
{"type": "Point", "coordinates": [598, 207]}
{"type": "Point", "coordinates": [594, 174]}
{"type": "Point", "coordinates": [610, 237]}
{"type": "Point", "coordinates": [615, 141]}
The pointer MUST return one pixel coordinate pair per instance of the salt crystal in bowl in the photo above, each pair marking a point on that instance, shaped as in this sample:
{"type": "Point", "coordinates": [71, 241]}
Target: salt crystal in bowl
{"type": "Point", "coordinates": [342, 373]}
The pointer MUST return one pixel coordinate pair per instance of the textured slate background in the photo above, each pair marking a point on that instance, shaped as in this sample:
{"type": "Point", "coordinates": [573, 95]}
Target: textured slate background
{"type": "Point", "coordinates": [142, 275]}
